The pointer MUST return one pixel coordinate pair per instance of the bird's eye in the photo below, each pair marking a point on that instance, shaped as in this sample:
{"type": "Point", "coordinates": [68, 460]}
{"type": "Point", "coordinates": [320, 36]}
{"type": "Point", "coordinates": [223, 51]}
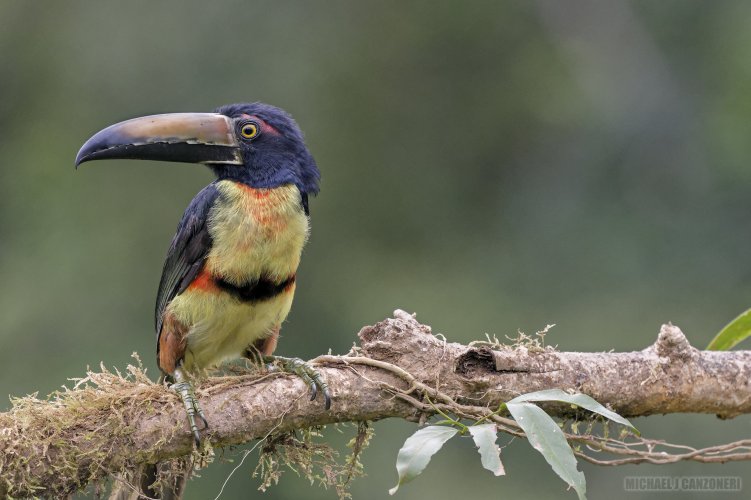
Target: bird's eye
{"type": "Point", "coordinates": [249, 130]}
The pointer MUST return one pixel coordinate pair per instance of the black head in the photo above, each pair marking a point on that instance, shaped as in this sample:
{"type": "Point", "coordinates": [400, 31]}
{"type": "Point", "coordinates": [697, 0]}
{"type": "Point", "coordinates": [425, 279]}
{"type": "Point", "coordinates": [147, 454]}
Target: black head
{"type": "Point", "coordinates": [273, 149]}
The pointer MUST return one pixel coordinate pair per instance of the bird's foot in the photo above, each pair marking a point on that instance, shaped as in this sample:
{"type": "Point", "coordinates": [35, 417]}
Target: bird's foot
{"type": "Point", "coordinates": [305, 371]}
{"type": "Point", "coordinates": [184, 389]}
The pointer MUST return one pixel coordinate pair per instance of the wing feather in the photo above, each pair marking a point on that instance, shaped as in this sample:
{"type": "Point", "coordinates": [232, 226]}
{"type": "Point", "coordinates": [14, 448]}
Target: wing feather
{"type": "Point", "coordinates": [187, 252]}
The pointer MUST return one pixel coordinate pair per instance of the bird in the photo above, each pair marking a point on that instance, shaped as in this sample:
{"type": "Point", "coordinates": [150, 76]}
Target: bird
{"type": "Point", "coordinates": [229, 276]}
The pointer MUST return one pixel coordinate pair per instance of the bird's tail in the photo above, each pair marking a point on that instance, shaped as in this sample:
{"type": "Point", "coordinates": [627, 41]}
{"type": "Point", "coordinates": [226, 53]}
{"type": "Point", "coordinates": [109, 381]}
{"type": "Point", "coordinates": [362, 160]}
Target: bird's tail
{"type": "Point", "coordinates": [163, 481]}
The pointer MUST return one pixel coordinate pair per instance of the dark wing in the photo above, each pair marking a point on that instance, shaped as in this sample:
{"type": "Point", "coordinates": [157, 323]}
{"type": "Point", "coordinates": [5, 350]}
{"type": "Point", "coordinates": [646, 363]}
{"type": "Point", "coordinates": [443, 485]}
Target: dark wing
{"type": "Point", "coordinates": [188, 251]}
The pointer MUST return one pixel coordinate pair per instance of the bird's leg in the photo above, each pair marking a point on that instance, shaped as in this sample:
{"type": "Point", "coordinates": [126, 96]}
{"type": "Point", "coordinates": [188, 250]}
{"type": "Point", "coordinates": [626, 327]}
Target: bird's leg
{"type": "Point", "coordinates": [260, 352]}
{"type": "Point", "coordinates": [305, 371]}
{"type": "Point", "coordinates": [184, 388]}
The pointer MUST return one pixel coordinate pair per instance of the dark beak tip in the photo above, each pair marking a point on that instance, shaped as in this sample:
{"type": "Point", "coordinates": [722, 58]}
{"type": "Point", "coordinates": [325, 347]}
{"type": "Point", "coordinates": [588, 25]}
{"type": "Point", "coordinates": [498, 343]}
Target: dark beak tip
{"type": "Point", "coordinates": [87, 151]}
{"type": "Point", "coordinates": [81, 157]}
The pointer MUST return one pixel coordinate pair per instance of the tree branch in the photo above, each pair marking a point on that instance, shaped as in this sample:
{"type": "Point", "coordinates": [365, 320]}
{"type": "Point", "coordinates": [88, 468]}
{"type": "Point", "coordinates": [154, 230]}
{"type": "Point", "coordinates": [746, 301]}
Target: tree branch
{"type": "Point", "coordinates": [109, 423]}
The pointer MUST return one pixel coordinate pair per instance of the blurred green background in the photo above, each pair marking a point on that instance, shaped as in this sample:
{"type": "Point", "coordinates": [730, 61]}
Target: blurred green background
{"type": "Point", "coordinates": [492, 166]}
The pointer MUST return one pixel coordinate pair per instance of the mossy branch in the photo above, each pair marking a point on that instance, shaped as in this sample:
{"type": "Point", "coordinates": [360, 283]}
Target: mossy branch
{"type": "Point", "coordinates": [109, 423]}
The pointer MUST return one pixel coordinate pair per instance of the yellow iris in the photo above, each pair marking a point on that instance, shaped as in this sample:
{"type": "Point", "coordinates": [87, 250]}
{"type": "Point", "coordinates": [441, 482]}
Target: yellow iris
{"type": "Point", "coordinates": [249, 130]}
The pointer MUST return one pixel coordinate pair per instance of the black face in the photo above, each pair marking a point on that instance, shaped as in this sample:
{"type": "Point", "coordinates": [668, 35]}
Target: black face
{"type": "Point", "coordinates": [273, 149]}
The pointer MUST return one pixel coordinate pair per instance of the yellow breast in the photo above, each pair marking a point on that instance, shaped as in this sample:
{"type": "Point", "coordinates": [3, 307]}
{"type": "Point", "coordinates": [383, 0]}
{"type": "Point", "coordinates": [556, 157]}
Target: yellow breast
{"type": "Point", "coordinates": [256, 232]}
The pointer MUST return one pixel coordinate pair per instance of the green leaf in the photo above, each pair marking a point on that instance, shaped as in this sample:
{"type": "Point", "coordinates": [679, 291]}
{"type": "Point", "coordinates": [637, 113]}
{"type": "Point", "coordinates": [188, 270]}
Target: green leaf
{"type": "Point", "coordinates": [490, 454]}
{"type": "Point", "coordinates": [546, 437]}
{"type": "Point", "coordinates": [418, 450]}
{"type": "Point", "coordinates": [575, 399]}
{"type": "Point", "coordinates": [734, 332]}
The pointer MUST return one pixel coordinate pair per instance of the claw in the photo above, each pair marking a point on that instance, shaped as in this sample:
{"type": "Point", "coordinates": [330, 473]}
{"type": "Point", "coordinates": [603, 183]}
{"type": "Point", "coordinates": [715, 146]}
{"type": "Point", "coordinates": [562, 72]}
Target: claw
{"type": "Point", "coordinates": [310, 376]}
{"type": "Point", "coordinates": [203, 419]}
{"type": "Point", "coordinates": [326, 398]}
{"type": "Point", "coordinates": [313, 391]}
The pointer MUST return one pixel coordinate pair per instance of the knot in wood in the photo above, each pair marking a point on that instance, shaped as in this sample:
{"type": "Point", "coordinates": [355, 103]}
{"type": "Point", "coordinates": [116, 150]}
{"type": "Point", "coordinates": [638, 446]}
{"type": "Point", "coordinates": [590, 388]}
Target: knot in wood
{"type": "Point", "coordinates": [672, 343]}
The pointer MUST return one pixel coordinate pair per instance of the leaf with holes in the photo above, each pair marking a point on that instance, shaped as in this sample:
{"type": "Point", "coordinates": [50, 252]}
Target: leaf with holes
{"type": "Point", "coordinates": [546, 437]}
{"type": "Point", "coordinates": [484, 437]}
{"type": "Point", "coordinates": [418, 450]}
{"type": "Point", "coordinates": [575, 399]}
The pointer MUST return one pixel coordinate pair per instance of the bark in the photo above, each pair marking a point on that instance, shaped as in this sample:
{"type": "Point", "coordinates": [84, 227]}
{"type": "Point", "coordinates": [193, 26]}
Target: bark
{"type": "Point", "coordinates": [372, 382]}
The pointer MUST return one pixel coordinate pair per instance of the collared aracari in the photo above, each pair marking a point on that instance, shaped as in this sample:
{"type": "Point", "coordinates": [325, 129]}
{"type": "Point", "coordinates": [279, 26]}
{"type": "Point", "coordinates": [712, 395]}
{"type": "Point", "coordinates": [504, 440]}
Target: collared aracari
{"type": "Point", "coordinates": [229, 275]}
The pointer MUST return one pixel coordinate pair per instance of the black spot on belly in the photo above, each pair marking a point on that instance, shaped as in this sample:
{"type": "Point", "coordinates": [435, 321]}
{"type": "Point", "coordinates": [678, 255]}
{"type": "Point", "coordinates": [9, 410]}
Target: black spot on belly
{"type": "Point", "coordinates": [255, 291]}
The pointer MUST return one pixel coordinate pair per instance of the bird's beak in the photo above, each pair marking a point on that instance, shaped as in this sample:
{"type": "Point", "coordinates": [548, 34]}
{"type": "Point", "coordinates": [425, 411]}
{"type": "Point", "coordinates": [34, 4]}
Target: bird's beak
{"type": "Point", "coordinates": [182, 137]}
